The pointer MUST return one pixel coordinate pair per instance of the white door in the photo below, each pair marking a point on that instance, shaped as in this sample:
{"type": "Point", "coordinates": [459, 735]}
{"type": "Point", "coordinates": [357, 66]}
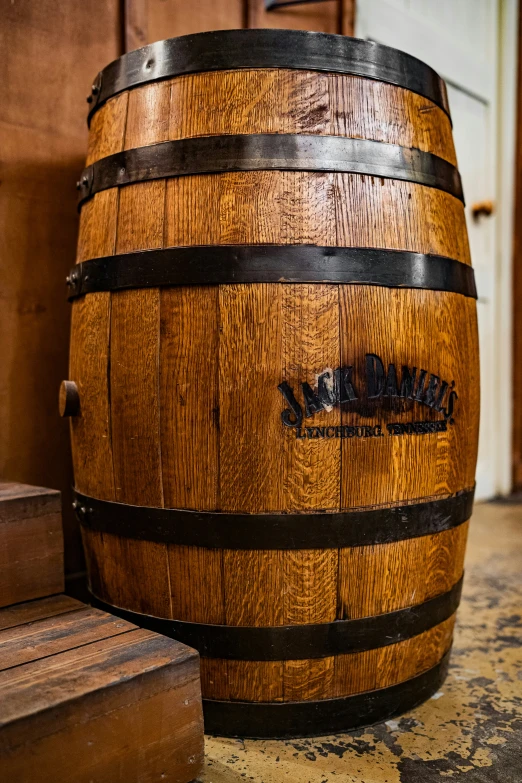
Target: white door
{"type": "Point", "coordinates": [459, 39]}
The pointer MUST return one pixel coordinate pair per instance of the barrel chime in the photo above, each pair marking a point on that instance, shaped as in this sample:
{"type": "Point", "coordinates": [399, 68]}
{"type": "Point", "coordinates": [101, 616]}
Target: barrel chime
{"type": "Point", "coordinates": [274, 380]}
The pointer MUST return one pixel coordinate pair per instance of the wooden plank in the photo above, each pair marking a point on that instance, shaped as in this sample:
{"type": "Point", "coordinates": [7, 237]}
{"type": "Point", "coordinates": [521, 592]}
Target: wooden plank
{"type": "Point", "coordinates": [90, 351]}
{"type": "Point", "coordinates": [249, 369]}
{"type": "Point", "coordinates": [43, 138]}
{"type": "Point", "coordinates": [52, 635]}
{"type": "Point", "coordinates": [252, 207]}
{"type": "Point", "coordinates": [311, 346]}
{"type": "Point", "coordinates": [168, 18]}
{"type": "Point", "coordinates": [31, 543]}
{"type": "Point", "coordinates": [310, 596]}
{"type": "Point", "coordinates": [90, 326]}
{"type": "Point", "coordinates": [402, 117]}
{"type": "Point", "coordinates": [324, 104]}
{"type": "Point", "coordinates": [348, 11]}
{"type": "Point", "coordinates": [134, 400]}
{"type": "Point", "coordinates": [74, 673]}
{"type": "Point", "coordinates": [135, 22]}
{"type": "Point", "coordinates": [90, 431]}
{"type": "Point", "coordinates": [189, 441]}
{"type": "Point", "coordinates": [418, 467]}
{"type": "Point", "coordinates": [134, 376]}
{"type": "Point", "coordinates": [106, 135]}
{"type": "Point", "coordinates": [190, 415]}
{"type": "Point", "coordinates": [31, 559]}
{"type": "Point", "coordinates": [431, 221]}
{"type": "Point", "coordinates": [28, 612]}
{"type": "Point", "coordinates": [385, 666]}
{"type": "Point", "coordinates": [387, 577]}
{"type": "Point", "coordinates": [323, 17]}
{"type": "Point", "coordinates": [134, 698]}
{"type": "Point", "coordinates": [135, 319]}
{"type": "Point", "coordinates": [189, 396]}
{"type": "Point", "coordinates": [23, 501]}
{"type": "Point", "coordinates": [311, 472]}
{"type": "Point", "coordinates": [135, 435]}
{"type": "Point", "coordinates": [249, 578]}
{"type": "Point", "coordinates": [444, 560]}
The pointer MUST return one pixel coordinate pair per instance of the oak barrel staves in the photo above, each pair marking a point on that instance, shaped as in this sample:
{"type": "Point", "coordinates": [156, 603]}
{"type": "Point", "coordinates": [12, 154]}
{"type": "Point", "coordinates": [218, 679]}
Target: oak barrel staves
{"type": "Point", "coordinates": [275, 348]}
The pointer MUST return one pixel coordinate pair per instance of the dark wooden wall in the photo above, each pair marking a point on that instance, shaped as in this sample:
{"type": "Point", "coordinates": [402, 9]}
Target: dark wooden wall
{"type": "Point", "coordinates": [51, 52]}
{"type": "Point", "coordinates": [151, 20]}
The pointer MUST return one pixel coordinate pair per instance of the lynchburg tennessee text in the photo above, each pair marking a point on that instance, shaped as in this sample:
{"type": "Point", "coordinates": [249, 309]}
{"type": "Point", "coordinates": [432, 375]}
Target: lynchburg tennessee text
{"type": "Point", "coordinates": [379, 385]}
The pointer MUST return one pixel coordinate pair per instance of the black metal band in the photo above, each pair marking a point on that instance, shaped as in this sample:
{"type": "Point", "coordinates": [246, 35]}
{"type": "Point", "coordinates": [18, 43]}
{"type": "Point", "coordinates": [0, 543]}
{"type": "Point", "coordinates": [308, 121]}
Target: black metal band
{"type": "Point", "coordinates": [226, 264]}
{"type": "Point", "coordinates": [294, 49]}
{"type": "Point", "coordinates": [301, 642]}
{"type": "Point", "coordinates": [284, 720]}
{"type": "Point", "coordinates": [221, 530]}
{"type": "Point", "coordinates": [269, 151]}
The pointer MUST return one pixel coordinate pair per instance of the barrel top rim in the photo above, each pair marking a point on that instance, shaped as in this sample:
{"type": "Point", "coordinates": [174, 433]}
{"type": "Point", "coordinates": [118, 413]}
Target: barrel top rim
{"type": "Point", "coordinates": [326, 52]}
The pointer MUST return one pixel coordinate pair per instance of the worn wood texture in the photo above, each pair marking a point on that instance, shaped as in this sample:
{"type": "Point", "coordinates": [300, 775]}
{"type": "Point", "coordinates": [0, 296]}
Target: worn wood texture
{"type": "Point", "coordinates": [189, 397]}
{"type": "Point", "coordinates": [325, 678]}
{"type": "Point", "coordinates": [88, 696]}
{"type": "Point", "coordinates": [31, 543]}
{"type": "Point", "coordinates": [146, 21]}
{"type": "Point", "coordinates": [323, 17]}
{"type": "Point", "coordinates": [250, 101]}
{"type": "Point", "coordinates": [167, 18]}
{"type": "Point", "coordinates": [135, 24]}
{"type": "Point", "coordinates": [50, 53]}
{"type": "Point", "coordinates": [43, 608]}
{"type": "Point", "coordinates": [469, 731]}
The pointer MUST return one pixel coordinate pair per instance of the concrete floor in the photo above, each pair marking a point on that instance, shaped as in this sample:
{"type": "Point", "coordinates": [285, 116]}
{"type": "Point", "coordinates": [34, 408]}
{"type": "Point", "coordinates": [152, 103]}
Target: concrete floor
{"type": "Point", "coordinates": [469, 732]}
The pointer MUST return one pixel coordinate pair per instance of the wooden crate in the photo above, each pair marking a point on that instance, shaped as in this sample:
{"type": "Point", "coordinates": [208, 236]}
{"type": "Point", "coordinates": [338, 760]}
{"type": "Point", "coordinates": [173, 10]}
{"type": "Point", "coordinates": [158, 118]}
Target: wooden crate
{"type": "Point", "coordinates": [31, 543]}
{"type": "Point", "coordinates": [89, 698]}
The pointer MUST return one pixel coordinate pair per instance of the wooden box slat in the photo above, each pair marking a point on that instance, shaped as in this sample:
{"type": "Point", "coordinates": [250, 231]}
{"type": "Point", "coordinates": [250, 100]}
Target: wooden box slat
{"type": "Point", "coordinates": [31, 543]}
{"type": "Point", "coordinates": [57, 634]}
{"type": "Point", "coordinates": [89, 697]}
{"type": "Point", "coordinates": [13, 616]}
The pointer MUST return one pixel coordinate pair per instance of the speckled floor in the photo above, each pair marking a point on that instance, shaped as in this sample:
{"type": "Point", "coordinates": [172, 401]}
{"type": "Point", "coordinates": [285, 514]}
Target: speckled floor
{"type": "Point", "coordinates": [470, 731]}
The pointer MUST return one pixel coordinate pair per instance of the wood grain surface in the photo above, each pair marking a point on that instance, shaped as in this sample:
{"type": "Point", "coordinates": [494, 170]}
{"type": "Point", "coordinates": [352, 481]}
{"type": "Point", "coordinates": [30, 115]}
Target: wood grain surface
{"type": "Point", "coordinates": [146, 21]}
{"type": "Point", "coordinates": [250, 101]}
{"type": "Point", "coordinates": [324, 17]}
{"type": "Point", "coordinates": [31, 543]}
{"type": "Point", "coordinates": [182, 404]}
{"type": "Point", "coordinates": [328, 678]}
{"type": "Point", "coordinates": [469, 730]}
{"type": "Point", "coordinates": [88, 696]}
{"type": "Point", "coordinates": [51, 51]}
{"type": "Point", "coordinates": [43, 608]}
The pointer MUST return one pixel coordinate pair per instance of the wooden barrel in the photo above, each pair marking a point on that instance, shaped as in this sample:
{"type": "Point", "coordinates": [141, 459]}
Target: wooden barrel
{"type": "Point", "coordinates": [274, 371]}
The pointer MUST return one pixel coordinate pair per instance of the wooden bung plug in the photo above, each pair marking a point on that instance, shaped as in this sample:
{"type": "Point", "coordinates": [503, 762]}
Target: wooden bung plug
{"type": "Point", "coordinates": [69, 399]}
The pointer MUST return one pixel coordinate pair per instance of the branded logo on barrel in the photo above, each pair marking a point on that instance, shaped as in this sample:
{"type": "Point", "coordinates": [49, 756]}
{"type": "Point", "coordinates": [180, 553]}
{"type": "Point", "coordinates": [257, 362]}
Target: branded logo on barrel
{"type": "Point", "coordinates": [379, 387]}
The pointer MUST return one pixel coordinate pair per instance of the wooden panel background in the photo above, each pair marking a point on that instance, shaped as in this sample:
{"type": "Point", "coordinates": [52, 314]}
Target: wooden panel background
{"type": "Point", "coordinates": [50, 53]}
{"type": "Point", "coordinates": [151, 20]}
{"type": "Point", "coordinates": [43, 137]}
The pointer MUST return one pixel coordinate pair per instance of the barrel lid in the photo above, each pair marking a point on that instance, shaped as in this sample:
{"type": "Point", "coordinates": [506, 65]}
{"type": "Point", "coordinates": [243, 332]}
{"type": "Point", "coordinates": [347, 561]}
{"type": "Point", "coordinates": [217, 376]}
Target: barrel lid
{"type": "Point", "coordinates": [293, 49]}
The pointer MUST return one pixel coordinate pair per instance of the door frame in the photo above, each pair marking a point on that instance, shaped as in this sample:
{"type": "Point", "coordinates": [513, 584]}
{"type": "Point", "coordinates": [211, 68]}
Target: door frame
{"type": "Point", "coordinates": [516, 341]}
{"type": "Point", "coordinates": [508, 52]}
